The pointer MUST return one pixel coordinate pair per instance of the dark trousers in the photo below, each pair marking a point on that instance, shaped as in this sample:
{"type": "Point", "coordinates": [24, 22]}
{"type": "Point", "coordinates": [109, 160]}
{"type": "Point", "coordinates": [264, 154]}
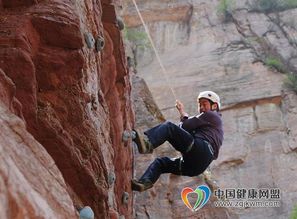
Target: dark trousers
{"type": "Point", "coordinates": [191, 163]}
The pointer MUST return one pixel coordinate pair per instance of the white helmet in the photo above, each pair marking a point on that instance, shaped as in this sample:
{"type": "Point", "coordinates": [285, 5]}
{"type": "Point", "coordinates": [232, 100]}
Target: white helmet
{"type": "Point", "coordinates": [210, 95]}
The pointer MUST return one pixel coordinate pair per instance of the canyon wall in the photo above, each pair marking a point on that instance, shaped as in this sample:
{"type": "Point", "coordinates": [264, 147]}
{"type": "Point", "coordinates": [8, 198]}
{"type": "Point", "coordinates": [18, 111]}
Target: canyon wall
{"type": "Point", "coordinates": [241, 51]}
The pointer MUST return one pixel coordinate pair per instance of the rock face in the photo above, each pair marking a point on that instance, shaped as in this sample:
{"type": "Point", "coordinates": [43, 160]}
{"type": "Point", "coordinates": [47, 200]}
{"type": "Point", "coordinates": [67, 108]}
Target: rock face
{"type": "Point", "coordinates": [60, 85]}
{"type": "Point", "coordinates": [31, 184]}
{"type": "Point", "coordinates": [227, 53]}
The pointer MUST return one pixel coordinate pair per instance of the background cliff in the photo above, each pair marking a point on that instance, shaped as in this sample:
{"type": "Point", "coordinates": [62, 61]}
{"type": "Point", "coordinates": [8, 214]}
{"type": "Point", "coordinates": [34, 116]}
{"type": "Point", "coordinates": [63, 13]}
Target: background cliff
{"type": "Point", "coordinates": [243, 50]}
{"type": "Point", "coordinates": [64, 103]}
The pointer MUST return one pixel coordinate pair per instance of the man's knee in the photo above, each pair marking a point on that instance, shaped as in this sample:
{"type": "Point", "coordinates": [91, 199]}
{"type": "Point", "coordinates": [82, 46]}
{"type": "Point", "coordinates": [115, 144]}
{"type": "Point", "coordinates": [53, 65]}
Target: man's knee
{"type": "Point", "coordinates": [168, 165]}
{"type": "Point", "coordinates": [162, 160]}
{"type": "Point", "coordinates": [171, 126]}
{"type": "Point", "coordinates": [168, 123]}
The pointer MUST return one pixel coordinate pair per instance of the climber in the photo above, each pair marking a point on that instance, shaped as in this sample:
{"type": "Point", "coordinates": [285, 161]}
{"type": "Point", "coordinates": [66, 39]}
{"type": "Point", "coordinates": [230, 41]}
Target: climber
{"type": "Point", "coordinates": [198, 138]}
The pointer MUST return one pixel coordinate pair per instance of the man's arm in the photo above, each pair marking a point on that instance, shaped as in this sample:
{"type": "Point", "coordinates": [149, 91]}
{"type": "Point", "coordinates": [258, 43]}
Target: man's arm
{"type": "Point", "coordinates": [194, 122]}
{"type": "Point", "coordinates": [180, 107]}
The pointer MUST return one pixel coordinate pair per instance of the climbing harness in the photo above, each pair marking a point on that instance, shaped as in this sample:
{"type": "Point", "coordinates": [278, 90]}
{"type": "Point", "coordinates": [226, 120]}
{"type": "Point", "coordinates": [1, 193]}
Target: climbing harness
{"type": "Point", "coordinates": [209, 147]}
{"type": "Point", "coordinates": [190, 147]}
{"type": "Point", "coordinates": [154, 48]}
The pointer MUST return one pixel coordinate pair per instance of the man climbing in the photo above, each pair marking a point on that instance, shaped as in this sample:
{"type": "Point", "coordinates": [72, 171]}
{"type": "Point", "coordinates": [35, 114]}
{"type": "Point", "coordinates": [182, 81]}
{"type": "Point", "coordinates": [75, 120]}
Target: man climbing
{"type": "Point", "coordinates": [198, 138]}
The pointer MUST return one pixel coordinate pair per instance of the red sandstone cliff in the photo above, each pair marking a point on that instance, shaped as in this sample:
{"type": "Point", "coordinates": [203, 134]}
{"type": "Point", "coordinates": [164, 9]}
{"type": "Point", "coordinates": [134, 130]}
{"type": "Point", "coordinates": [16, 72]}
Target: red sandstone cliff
{"type": "Point", "coordinates": [64, 106]}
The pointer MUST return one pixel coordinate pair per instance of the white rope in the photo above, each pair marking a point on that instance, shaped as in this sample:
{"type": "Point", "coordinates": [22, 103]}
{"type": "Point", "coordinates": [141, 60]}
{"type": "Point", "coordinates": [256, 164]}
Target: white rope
{"type": "Point", "coordinates": [154, 48]}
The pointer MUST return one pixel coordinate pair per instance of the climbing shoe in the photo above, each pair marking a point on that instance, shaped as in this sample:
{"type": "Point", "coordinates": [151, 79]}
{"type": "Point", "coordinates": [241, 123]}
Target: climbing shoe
{"type": "Point", "coordinates": [141, 186]}
{"type": "Point", "coordinates": [143, 143]}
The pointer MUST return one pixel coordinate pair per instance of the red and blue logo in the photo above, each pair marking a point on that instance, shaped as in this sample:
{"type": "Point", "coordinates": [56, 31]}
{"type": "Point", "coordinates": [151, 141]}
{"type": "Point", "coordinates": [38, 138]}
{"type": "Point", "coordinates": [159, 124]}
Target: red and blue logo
{"type": "Point", "coordinates": [203, 195]}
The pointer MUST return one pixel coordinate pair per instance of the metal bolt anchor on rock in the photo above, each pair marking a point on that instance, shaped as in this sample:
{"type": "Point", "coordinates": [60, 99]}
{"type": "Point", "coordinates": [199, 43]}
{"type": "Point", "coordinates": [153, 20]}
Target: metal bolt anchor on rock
{"type": "Point", "coordinates": [111, 178]}
{"type": "Point", "coordinates": [86, 213]}
{"type": "Point", "coordinates": [125, 198]}
{"type": "Point", "coordinates": [120, 23]}
{"type": "Point", "coordinates": [99, 43]}
{"type": "Point", "coordinates": [90, 41]}
{"type": "Point", "coordinates": [128, 134]}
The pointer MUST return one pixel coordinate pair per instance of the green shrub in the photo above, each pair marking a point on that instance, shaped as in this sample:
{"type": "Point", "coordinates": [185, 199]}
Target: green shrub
{"type": "Point", "coordinates": [225, 9]}
{"type": "Point", "coordinates": [294, 213]}
{"type": "Point", "coordinates": [268, 6]}
{"type": "Point", "coordinates": [275, 63]}
{"type": "Point", "coordinates": [139, 38]}
{"type": "Point", "coordinates": [290, 4]}
{"type": "Point", "coordinates": [291, 83]}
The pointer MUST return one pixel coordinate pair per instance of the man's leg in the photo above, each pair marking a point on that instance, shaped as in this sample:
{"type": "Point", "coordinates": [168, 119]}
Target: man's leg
{"type": "Point", "coordinates": [180, 139]}
{"type": "Point", "coordinates": [155, 169]}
